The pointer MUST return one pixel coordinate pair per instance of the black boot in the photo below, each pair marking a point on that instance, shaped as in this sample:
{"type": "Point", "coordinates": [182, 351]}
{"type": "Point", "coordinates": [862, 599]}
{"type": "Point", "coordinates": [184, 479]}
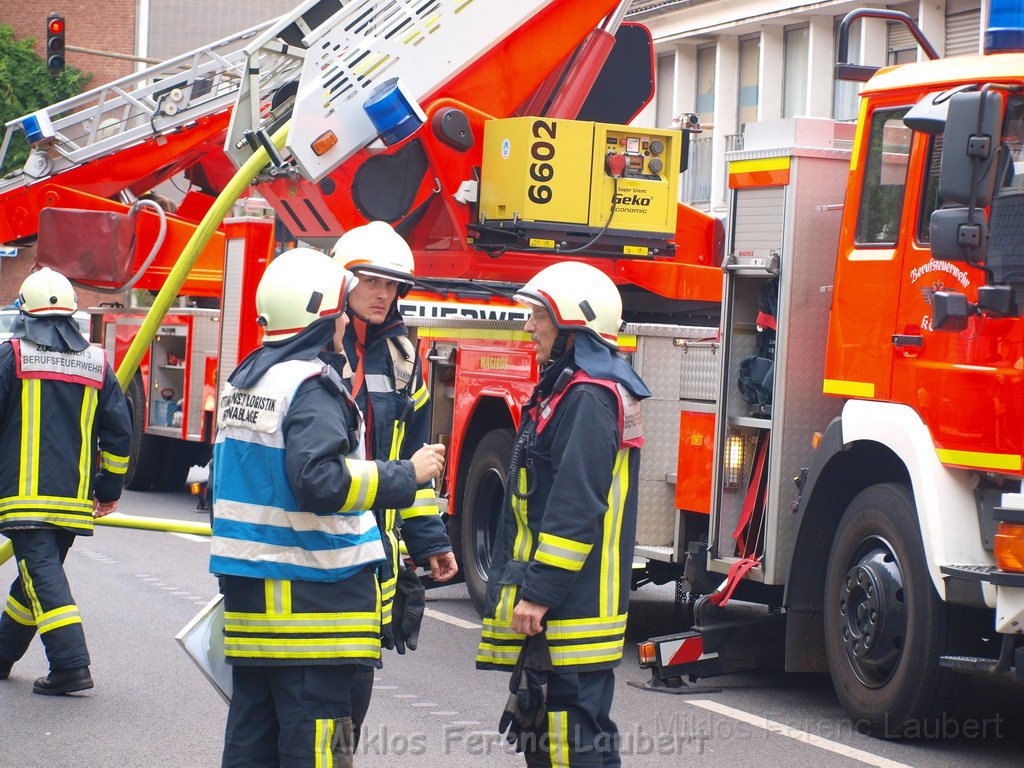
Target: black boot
{"type": "Point", "coordinates": [66, 681]}
{"type": "Point", "coordinates": [5, 668]}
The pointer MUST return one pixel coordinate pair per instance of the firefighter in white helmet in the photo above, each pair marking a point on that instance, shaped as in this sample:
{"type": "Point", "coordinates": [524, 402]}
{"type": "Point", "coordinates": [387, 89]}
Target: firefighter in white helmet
{"type": "Point", "coordinates": [61, 410]}
{"type": "Point", "coordinates": [559, 582]}
{"type": "Point", "coordinates": [294, 543]}
{"type": "Point", "coordinates": [389, 387]}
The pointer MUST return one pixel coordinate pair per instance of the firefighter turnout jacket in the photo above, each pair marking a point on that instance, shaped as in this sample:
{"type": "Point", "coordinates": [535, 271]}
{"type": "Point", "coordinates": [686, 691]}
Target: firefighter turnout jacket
{"type": "Point", "coordinates": [293, 537]}
{"type": "Point", "coordinates": [59, 407]}
{"type": "Point", "coordinates": [394, 396]}
{"type": "Point", "coordinates": [567, 529]}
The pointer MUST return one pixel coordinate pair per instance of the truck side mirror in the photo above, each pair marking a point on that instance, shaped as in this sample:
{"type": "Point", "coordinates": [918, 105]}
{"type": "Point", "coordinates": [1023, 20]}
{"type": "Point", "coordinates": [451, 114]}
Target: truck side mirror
{"type": "Point", "coordinates": [958, 234]}
{"type": "Point", "coordinates": [969, 148]}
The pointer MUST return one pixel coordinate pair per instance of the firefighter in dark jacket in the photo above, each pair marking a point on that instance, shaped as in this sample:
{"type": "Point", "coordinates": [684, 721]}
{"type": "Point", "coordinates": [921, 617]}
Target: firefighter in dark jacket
{"type": "Point", "coordinates": [388, 385]}
{"type": "Point", "coordinates": [294, 540]}
{"type": "Point", "coordinates": [59, 403]}
{"type": "Point", "coordinates": [558, 587]}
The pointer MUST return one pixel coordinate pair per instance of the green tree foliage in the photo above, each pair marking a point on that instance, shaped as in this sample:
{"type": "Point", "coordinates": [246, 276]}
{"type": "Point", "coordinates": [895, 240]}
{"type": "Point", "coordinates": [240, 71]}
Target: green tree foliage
{"type": "Point", "coordinates": [25, 86]}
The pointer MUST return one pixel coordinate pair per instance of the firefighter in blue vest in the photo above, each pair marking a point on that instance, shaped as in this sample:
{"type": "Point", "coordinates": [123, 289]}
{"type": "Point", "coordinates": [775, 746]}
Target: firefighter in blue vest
{"type": "Point", "coordinates": [61, 410]}
{"type": "Point", "coordinates": [388, 385]}
{"type": "Point", "coordinates": [559, 582]}
{"type": "Point", "coordinates": [294, 541]}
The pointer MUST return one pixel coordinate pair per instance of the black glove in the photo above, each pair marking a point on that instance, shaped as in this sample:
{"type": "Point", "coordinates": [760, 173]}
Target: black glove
{"type": "Point", "coordinates": [526, 708]}
{"type": "Point", "coordinates": [407, 613]}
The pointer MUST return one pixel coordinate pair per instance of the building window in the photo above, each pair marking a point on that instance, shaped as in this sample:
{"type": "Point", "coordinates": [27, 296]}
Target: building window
{"type": "Point", "coordinates": [845, 93]}
{"type": "Point", "coordinates": [706, 84]}
{"type": "Point", "coordinates": [885, 179]}
{"type": "Point", "coordinates": [665, 88]}
{"type": "Point", "coordinates": [796, 52]}
{"type": "Point", "coordinates": [749, 67]}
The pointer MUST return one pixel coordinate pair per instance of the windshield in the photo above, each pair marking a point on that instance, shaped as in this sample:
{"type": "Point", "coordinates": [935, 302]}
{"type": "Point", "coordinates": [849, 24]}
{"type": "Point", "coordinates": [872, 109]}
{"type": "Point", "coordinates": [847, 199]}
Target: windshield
{"type": "Point", "coordinates": [7, 321]}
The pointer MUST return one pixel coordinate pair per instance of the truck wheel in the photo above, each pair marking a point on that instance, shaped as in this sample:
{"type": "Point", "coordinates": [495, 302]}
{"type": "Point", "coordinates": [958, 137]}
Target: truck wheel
{"type": "Point", "coordinates": [885, 626]}
{"type": "Point", "coordinates": [174, 469]}
{"type": "Point", "coordinates": [145, 452]}
{"type": "Point", "coordinates": [481, 507]}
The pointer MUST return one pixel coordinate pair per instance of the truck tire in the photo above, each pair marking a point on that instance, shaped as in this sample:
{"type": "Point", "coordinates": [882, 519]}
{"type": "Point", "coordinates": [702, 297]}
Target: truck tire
{"type": "Point", "coordinates": [145, 452]}
{"type": "Point", "coordinates": [480, 508]}
{"type": "Point", "coordinates": [173, 471]}
{"type": "Point", "coordinates": [885, 626]}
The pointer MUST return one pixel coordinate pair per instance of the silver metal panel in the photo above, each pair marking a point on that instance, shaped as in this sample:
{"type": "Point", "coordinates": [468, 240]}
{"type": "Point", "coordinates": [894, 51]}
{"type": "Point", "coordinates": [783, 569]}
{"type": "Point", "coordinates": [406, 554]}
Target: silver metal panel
{"type": "Point", "coordinates": [700, 371]}
{"type": "Point", "coordinates": [655, 525]}
{"type": "Point", "coordinates": [758, 223]}
{"type": "Point", "coordinates": [804, 301]}
{"type": "Point", "coordinates": [231, 308]}
{"type": "Point", "coordinates": [205, 332]}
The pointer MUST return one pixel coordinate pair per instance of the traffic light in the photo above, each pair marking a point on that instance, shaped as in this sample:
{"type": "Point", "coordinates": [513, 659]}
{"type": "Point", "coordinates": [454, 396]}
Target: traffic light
{"type": "Point", "coordinates": [55, 44]}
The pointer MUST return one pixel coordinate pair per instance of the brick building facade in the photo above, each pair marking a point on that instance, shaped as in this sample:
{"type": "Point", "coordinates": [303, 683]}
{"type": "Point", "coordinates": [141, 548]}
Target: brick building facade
{"type": "Point", "coordinates": [107, 26]}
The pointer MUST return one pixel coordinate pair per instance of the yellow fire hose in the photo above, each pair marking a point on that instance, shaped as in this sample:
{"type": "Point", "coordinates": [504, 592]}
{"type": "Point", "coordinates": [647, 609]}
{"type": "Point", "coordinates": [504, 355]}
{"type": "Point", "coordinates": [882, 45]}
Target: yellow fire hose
{"type": "Point", "coordinates": [162, 303]}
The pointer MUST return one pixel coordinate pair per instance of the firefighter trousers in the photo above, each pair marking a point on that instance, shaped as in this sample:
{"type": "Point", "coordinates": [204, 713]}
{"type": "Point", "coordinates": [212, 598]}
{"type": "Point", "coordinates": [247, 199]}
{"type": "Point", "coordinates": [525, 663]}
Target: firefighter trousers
{"type": "Point", "coordinates": [290, 717]}
{"type": "Point", "coordinates": [362, 690]}
{"type": "Point", "coordinates": [580, 731]}
{"type": "Point", "coordinates": [41, 599]}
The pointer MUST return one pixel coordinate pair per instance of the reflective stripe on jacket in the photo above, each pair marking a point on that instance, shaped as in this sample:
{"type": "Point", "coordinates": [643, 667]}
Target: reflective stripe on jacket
{"type": "Point", "coordinates": [568, 544]}
{"type": "Point", "coordinates": [64, 436]}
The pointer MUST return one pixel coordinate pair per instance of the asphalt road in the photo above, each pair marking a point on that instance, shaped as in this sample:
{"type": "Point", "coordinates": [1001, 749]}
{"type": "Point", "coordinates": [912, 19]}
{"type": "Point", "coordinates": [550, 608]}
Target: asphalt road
{"type": "Point", "coordinates": [151, 707]}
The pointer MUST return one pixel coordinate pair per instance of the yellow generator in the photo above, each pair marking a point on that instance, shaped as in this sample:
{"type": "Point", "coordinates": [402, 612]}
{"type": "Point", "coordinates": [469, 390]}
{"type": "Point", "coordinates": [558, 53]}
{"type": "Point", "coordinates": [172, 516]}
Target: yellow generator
{"type": "Point", "coordinates": [558, 184]}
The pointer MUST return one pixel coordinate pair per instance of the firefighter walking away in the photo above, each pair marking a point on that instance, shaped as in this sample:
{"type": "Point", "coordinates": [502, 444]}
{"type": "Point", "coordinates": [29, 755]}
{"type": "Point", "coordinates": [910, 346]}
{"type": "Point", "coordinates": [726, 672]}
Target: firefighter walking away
{"type": "Point", "coordinates": [64, 440]}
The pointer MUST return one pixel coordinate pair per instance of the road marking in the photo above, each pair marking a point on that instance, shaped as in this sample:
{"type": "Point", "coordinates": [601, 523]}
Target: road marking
{"type": "Point", "coordinates": [450, 619]}
{"type": "Point", "coordinates": [796, 734]}
{"type": "Point", "coordinates": [191, 537]}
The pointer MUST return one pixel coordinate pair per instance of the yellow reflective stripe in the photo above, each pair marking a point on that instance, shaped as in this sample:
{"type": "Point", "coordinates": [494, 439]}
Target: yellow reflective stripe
{"type": "Point", "coordinates": [420, 397]}
{"type": "Point", "coordinates": [299, 648]}
{"type": "Point", "coordinates": [45, 503]}
{"type": "Point", "coordinates": [85, 451]}
{"type": "Point", "coordinates": [20, 613]}
{"type": "Point", "coordinates": [997, 461]}
{"type": "Point", "coordinates": [116, 465]}
{"type": "Point", "coordinates": [277, 595]}
{"type": "Point", "coordinates": [65, 521]}
{"type": "Point", "coordinates": [30, 589]}
{"type": "Point", "coordinates": [558, 739]}
{"type": "Point", "coordinates": [610, 565]}
{"type": "Point", "coordinates": [565, 629]}
{"type": "Point", "coordinates": [500, 630]}
{"type": "Point", "coordinates": [58, 617]}
{"type": "Point", "coordinates": [362, 488]}
{"type": "Point", "coordinates": [425, 504]}
{"type": "Point", "coordinates": [586, 653]}
{"type": "Point", "coordinates": [396, 445]}
{"type": "Point", "coordinates": [356, 622]}
{"type": "Point", "coordinates": [28, 479]}
{"type": "Point", "coordinates": [848, 388]}
{"type": "Point", "coordinates": [324, 737]}
{"type": "Point", "coordinates": [524, 536]}
{"type": "Point", "coordinates": [497, 654]}
{"type": "Point", "coordinates": [561, 552]}
{"type": "Point", "coordinates": [506, 603]}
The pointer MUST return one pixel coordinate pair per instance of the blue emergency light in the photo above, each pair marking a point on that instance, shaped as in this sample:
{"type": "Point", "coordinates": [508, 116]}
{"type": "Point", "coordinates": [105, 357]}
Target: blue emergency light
{"type": "Point", "coordinates": [37, 127]}
{"type": "Point", "coordinates": [393, 112]}
{"type": "Point", "coordinates": [1005, 32]}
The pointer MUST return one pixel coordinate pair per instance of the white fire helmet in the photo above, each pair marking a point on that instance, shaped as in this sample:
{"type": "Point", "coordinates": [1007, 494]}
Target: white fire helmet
{"type": "Point", "coordinates": [376, 250]}
{"type": "Point", "coordinates": [300, 287]}
{"type": "Point", "coordinates": [47, 294]}
{"type": "Point", "coordinates": [578, 297]}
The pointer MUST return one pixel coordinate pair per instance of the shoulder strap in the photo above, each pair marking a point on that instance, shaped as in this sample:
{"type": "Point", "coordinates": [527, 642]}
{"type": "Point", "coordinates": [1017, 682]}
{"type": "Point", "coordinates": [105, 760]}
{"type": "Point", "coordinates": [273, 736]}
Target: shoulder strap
{"type": "Point", "coordinates": [403, 361]}
{"type": "Point", "coordinates": [629, 413]}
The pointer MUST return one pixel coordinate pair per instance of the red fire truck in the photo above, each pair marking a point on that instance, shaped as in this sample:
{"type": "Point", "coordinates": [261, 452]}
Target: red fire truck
{"type": "Point", "coordinates": [835, 440]}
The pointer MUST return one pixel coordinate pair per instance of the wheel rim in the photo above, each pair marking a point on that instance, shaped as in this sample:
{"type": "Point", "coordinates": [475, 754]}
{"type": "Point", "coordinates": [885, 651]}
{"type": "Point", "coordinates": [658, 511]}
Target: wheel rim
{"type": "Point", "coordinates": [486, 507]}
{"type": "Point", "coordinates": [873, 612]}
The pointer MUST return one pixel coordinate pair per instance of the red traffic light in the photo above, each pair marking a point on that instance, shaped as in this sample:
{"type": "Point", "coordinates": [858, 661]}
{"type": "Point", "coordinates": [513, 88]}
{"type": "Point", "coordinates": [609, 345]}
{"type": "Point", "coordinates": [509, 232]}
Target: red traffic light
{"type": "Point", "coordinates": [56, 26]}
